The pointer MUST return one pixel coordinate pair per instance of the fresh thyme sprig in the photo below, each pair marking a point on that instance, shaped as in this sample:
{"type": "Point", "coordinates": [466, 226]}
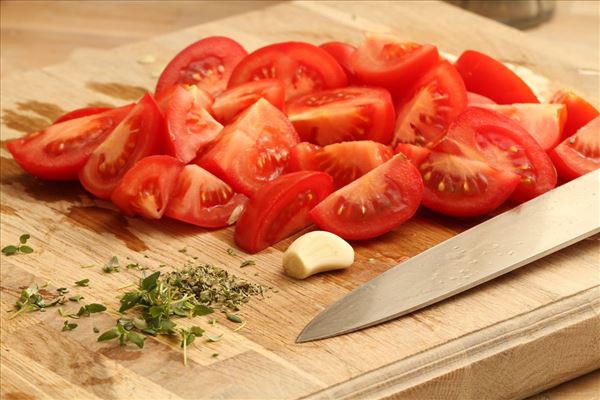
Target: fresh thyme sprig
{"type": "Point", "coordinates": [19, 248]}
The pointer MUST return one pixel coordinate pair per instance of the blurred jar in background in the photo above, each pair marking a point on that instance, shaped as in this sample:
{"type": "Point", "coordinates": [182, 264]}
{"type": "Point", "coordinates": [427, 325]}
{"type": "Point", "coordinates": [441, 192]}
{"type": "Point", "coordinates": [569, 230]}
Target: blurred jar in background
{"type": "Point", "coordinates": [521, 14]}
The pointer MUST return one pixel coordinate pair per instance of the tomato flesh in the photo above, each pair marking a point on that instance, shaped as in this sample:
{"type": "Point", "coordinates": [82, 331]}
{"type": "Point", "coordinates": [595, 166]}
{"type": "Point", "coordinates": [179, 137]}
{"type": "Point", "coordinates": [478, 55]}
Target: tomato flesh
{"type": "Point", "coordinates": [579, 111]}
{"type": "Point", "coordinates": [579, 154]}
{"type": "Point", "coordinates": [337, 115]}
{"type": "Point", "coordinates": [201, 97]}
{"type": "Point", "coordinates": [80, 112]}
{"type": "Point", "coordinates": [374, 204]}
{"type": "Point", "coordinates": [302, 158]}
{"type": "Point", "coordinates": [342, 52]}
{"type": "Point", "coordinates": [280, 209]}
{"type": "Point", "coordinates": [474, 99]}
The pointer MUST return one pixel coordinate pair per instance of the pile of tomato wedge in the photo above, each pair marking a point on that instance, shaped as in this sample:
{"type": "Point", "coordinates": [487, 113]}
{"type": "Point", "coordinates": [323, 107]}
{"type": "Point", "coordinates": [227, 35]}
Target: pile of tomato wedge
{"type": "Point", "coordinates": [351, 139]}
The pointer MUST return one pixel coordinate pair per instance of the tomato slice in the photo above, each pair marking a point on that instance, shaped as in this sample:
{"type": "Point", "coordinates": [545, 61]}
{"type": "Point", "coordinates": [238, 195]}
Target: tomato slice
{"type": "Point", "coordinates": [439, 98]}
{"type": "Point", "coordinates": [202, 199]}
{"type": "Point", "coordinates": [474, 99]}
{"type": "Point", "coordinates": [416, 154]}
{"type": "Point", "coordinates": [342, 52]}
{"type": "Point", "coordinates": [140, 134]}
{"type": "Point", "coordinates": [487, 136]}
{"type": "Point", "coordinates": [80, 112]}
{"type": "Point", "coordinates": [302, 158]}
{"type": "Point", "coordinates": [374, 204]}
{"type": "Point", "coordinates": [60, 151]}
{"type": "Point", "coordinates": [253, 150]}
{"type": "Point", "coordinates": [201, 97]}
{"type": "Point", "coordinates": [489, 77]}
{"type": "Point", "coordinates": [190, 127]}
{"type": "Point", "coordinates": [302, 67]}
{"type": "Point", "coordinates": [146, 188]}
{"type": "Point", "coordinates": [337, 115]}
{"type": "Point", "coordinates": [280, 208]}
{"type": "Point", "coordinates": [579, 111]}
{"type": "Point", "coordinates": [206, 63]}
{"type": "Point", "coordinates": [580, 153]}
{"type": "Point", "coordinates": [386, 61]}
{"type": "Point", "coordinates": [231, 102]}
{"type": "Point", "coordinates": [542, 121]}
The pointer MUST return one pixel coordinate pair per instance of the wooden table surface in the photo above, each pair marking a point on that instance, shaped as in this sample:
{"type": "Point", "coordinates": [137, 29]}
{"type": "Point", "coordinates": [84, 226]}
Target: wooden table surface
{"type": "Point", "coordinates": [37, 34]}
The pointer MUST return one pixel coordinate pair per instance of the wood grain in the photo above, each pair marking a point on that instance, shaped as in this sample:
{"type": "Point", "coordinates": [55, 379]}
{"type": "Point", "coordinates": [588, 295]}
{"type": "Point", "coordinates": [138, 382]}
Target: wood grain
{"type": "Point", "coordinates": [512, 337]}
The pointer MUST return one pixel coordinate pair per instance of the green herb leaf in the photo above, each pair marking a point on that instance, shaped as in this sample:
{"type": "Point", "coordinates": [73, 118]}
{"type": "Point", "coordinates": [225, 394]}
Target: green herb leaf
{"type": "Point", "coordinates": [149, 282]}
{"type": "Point", "coordinates": [197, 331]}
{"type": "Point", "coordinates": [62, 290]}
{"type": "Point", "coordinates": [83, 282]}
{"type": "Point", "coordinates": [182, 250]}
{"type": "Point", "coordinates": [129, 300]}
{"type": "Point", "coordinates": [212, 338]}
{"type": "Point", "coordinates": [136, 338]}
{"type": "Point", "coordinates": [68, 326]}
{"type": "Point", "coordinates": [9, 250]}
{"type": "Point", "coordinates": [247, 263]}
{"type": "Point", "coordinates": [201, 309]}
{"type": "Point", "coordinates": [231, 252]}
{"type": "Point", "coordinates": [109, 335]}
{"type": "Point", "coordinates": [215, 355]}
{"type": "Point", "coordinates": [75, 298]}
{"type": "Point", "coordinates": [112, 265]}
{"type": "Point", "coordinates": [25, 249]}
{"type": "Point", "coordinates": [234, 318]}
{"type": "Point", "coordinates": [24, 238]}
{"type": "Point", "coordinates": [95, 308]}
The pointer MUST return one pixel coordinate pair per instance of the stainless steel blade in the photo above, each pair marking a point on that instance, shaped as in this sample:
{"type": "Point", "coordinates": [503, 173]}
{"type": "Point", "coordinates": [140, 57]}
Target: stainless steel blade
{"type": "Point", "coordinates": [499, 245]}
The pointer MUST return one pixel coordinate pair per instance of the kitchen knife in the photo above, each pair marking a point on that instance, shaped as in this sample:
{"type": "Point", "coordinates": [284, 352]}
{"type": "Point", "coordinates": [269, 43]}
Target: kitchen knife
{"type": "Point", "coordinates": [532, 230]}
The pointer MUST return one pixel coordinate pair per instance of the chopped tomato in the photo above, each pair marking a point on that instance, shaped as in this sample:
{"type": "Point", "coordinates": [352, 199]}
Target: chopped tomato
{"type": "Point", "coordinates": [374, 204]}
{"type": "Point", "coordinates": [416, 154]}
{"type": "Point", "coordinates": [502, 143]}
{"type": "Point", "coordinates": [140, 134]}
{"type": "Point", "coordinates": [302, 67]}
{"type": "Point", "coordinates": [146, 188]}
{"type": "Point", "coordinates": [231, 102]}
{"type": "Point", "coordinates": [386, 61]}
{"type": "Point", "coordinates": [253, 150]}
{"type": "Point", "coordinates": [579, 154]}
{"type": "Point", "coordinates": [206, 63]}
{"type": "Point", "coordinates": [491, 78]}
{"type": "Point", "coordinates": [60, 151]}
{"type": "Point", "coordinates": [202, 199]}
{"type": "Point", "coordinates": [342, 52]}
{"type": "Point", "coordinates": [280, 209]}
{"type": "Point", "coordinates": [337, 115]}
{"type": "Point", "coordinates": [80, 112]}
{"type": "Point", "coordinates": [579, 111]}
{"type": "Point", "coordinates": [474, 99]}
{"type": "Point", "coordinates": [424, 117]}
{"type": "Point", "coordinates": [190, 127]}
{"type": "Point", "coordinates": [302, 158]}
{"type": "Point", "coordinates": [201, 97]}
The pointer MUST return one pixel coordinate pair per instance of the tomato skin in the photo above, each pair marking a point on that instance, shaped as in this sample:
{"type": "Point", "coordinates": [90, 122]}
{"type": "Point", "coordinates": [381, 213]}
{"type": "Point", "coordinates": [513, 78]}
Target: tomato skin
{"type": "Point", "coordinates": [579, 112]}
{"type": "Point", "coordinates": [389, 195]}
{"type": "Point", "coordinates": [474, 99]}
{"type": "Point", "coordinates": [61, 150]}
{"type": "Point", "coordinates": [489, 77]}
{"type": "Point", "coordinates": [386, 61]}
{"type": "Point", "coordinates": [337, 115]}
{"type": "Point", "coordinates": [302, 158]}
{"type": "Point", "coordinates": [233, 101]}
{"type": "Point", "coordinates": [80, 112]}
{"type": "Point", "coordinates": [146, 188]}
{"type": "Point", "coordinates": [579, 154]}
{"type": "Point", "coordinates": [140, 134]}
{"type": "Point", "coordinates": [280, 208]}
{"type": "Point", "coordinates": [201, 97]}
{"type": "Point", "coordinates": [342, 52]}
{"type": "Point", "coordinates": [416, 154]}
{"type": "Point", "coordinates": [302, 68]}
{"type": "Point", "coordinates": [202, 199]}
{"type": "Point", "coordinates": [218, 53]}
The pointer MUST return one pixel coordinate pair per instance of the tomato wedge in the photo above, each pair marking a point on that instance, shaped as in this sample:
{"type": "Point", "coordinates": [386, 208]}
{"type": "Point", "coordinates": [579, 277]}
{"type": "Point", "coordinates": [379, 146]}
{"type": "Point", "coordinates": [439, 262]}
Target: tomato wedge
{"type": "Point", "coordinates": [579, 111]}
{"type": "Point", "coordinates": [474, 99]}
{"type": "Point", "coordinates": [338, 115]}
{"type": "Point", "coordinates": [140, 134]}
{"type": "Point", "coordinates": [60, 151]}
{"type": "Point", "coordinates": [386, 61]}
{"type": "Point", "coordinates": [503, 144]}
{"type": "Point", "coordinates": [206, 63]}
{"type": "Point", "coordinates": [374, 204]}
{"type": "Point", "coordinates": [231, 102]}
{"type": "Point", "coordinates": [201, 97]}
{"type": "Point", "coordinates": [280, 209]}
{"type": "Point", "coordinates": [190, 127]}
{"type": "Point", "coordinates": [489, 77]}
{"type": "Point", "coordinates": [580, 153]}
{"type": "Point", "coordinates": [439, 98]}
{"type": "Point", "coordinates": [202, 199]}
{"type": "Point", "coordinates": [146, 188]}
{"type": "Point", "coordinates": [253, 150]}
{"type": "Point", "coordinates": [416, 154]}
{"type": "Point", "coordinates": [80, 112]}
{"type": "Point", "coordinates": [342, 52]}
{"type": "Point", "coordinates": [302, 158]}
{"type": "Point", "coordinates": [302, 68]}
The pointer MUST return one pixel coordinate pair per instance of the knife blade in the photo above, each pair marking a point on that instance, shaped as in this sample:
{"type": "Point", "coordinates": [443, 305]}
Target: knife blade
{"type": "Point", "coordinates": [515, 238]}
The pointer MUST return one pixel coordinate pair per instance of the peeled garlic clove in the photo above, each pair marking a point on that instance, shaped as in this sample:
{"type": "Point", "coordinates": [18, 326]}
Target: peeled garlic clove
{"type": "Point", "coordinates": [315, 252]}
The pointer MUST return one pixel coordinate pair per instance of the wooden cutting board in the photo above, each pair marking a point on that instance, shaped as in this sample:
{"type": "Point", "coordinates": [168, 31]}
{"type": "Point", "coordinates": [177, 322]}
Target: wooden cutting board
{"type": "Point", "coordinates": [512, 337]}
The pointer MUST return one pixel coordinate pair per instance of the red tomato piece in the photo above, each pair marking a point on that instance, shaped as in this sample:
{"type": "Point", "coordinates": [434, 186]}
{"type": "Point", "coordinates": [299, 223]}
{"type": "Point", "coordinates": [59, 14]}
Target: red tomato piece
{"type": "Point", "coordinates": [416, 154]}
{"type": "Point", "coordinates": [342, 52]}
{"type": "Point", "coordinates": [207, 63]}
{"type": "Point", "coordinates": [579, 154]}
{"type": "Point", "coordinates": [140, 134]}
{"type": "Point", "coordinates": [190, 127]}
{"type": "Point", "coordinates": [60, 151]}
{"type": "Point", "coordinates": [146, 188]}
{"type": "Point", "coordinates": [386, 61]}
{"type": "Point", "coordinates": [231, 102]}
{"type": "Point", "coordinates": [489, 77]}
{"type": "Point", "coordinates": [202, 199]}
{"type": "Point", "coordinates": [542, 121]}
{"type": "Point", "coordinates": [503, 144]}
{"type": "Point", "coordinates": [579, 111]}
{"type": "Point", "coordinates": [302, 158]}
{"type": "Point", "coordinates": [253, 150]}
{"type": "Point", "coordinates": [474, 99]}
{"type": "Point", "coordinates": [80, 112]}
{"type": "Point", "coordinates": [201, 97]}
{"type": "Point", "coordinates": [302, 67]}
{"type": "Point", "coordinates": [337, 115]}
{"type": "Point", "coordinates": [439, 98]}
{"type": "Point", "coordinates": [374, 204]}
{"type": "Point", "coordinates": [280, 209]}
